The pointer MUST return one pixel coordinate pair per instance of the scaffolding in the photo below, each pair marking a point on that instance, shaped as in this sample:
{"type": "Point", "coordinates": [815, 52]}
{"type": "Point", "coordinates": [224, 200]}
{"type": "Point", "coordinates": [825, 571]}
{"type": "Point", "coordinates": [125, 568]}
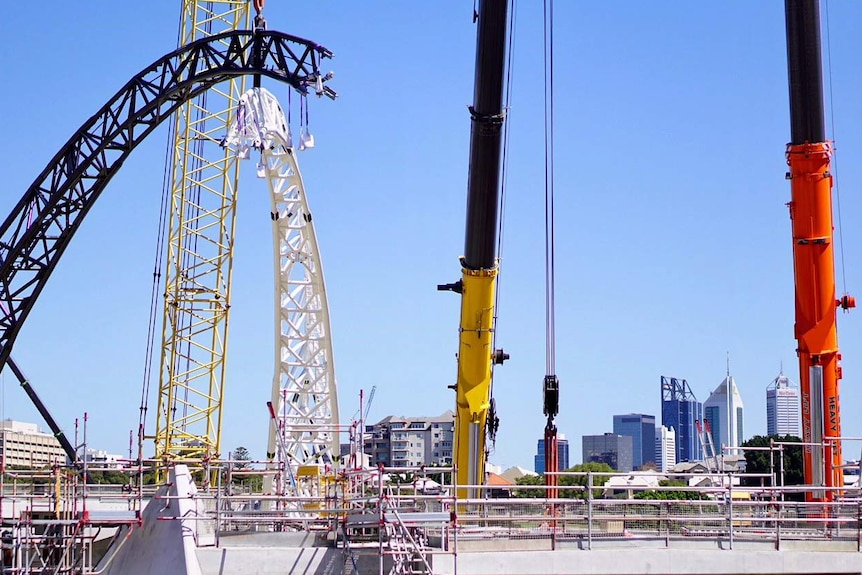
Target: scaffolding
{"type": "Point", "coordinates": [47, 526]}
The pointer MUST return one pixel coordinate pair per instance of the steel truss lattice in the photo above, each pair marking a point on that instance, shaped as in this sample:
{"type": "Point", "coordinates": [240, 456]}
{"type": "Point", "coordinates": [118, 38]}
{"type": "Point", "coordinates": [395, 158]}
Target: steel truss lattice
{"type": "Point", "coordinates": [204, 186]}
{"type": "Point", "coordinates": [35, 234]}
{"type": "Point", "coordinates": [304, 392]}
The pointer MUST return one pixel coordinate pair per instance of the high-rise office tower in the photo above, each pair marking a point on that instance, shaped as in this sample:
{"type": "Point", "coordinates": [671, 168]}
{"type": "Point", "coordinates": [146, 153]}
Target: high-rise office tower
{"type": "Point", "coordinates": [782, 407]}
{"type": "Point", "coordinates": [665, 448]}
{"type": "Point", "coordinates": [723, 410]}
{"type": "Point", "coordinates": [610, 448]}
{"type": "Point", "coordinates": [641, 428]}
{"type": "Point", "coordinates": [679, 411]}
{"type": "Point", "coordinates": [562, 454]}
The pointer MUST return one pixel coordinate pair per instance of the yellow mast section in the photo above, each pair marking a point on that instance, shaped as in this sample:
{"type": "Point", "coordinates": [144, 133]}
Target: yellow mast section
{"type": "Point", "coordinates": [204, 185]}
{"type": "Point", "coordinates": [473, 391]}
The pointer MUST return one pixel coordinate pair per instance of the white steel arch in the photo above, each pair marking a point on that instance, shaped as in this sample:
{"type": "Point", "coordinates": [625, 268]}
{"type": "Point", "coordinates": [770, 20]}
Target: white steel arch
{"type": "Point", "coordinates": [304, 393]}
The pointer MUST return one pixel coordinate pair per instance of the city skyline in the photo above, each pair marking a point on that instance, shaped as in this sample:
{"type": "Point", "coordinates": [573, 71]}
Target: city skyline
{"type": "Point", "coordinates": [663, 436]}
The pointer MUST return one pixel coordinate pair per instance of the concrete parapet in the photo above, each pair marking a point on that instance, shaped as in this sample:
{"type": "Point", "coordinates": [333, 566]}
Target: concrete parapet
{"type": "Point", "coordinates": [165, 540]}
{"type": "Point", "coordinates": [649, 561]}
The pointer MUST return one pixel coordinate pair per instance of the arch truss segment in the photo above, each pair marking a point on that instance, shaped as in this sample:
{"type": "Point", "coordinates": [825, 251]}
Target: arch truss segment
{"type": "Point", "coordinates": [35, 234]}
{"type": "Point", "coordinates": [304, 391]}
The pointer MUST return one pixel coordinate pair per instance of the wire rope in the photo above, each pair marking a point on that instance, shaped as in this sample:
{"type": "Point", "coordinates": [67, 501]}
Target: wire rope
{"type": "Point", "coordinates": [835, 152]}
{"type": "Point", "coordinates": [548, 61]}
{"type": "Point", "coordinates": [493, 420]}
{"type": "Point", "coordinates": [510, 58]}
{"type": "Point", "coordinates": [157, 273]}
{"type": "Point", "coordinates": [157, 276]}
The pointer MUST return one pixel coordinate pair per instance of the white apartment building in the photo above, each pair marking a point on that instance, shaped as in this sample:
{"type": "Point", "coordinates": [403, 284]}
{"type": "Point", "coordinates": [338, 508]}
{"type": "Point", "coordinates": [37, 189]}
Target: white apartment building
{"type": "Point", "coordinates": [23, 445]}
{"type": "Point", "coordinates": [665, 448]}
{"type": "Point", "coordinates": [411, 441]}
{"type": "Point", "coordinates": [104, 460]}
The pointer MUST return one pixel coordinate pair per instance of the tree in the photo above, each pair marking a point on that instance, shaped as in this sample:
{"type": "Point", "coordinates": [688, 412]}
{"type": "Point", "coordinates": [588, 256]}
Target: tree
{"type": "Point", "coordinates": [405, 478]}
{"type": "Point", "coordinates": [242, 462]}
{"type": "Point", "coordinates": [598, 481]}
{"type": "Point", "coordinates": [527, 480]}
{"type": "Point", "coordinates": [670, 495]}
{"type": "Point", "coordinates": [241, 457]}
{"type": "Point", "coordinates": [758, 461]}
{"type": "Point", "coordinates": [569, 483]}
{"type": "Point", "coordinates": [648, 466]}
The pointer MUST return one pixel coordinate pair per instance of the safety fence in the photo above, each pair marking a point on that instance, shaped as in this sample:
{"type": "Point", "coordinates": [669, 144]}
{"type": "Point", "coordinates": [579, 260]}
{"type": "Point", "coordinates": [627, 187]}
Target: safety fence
{"type": "Point", "coordinates": [588, 520]}
{"type": "Point", "coordinates": [52, 519]}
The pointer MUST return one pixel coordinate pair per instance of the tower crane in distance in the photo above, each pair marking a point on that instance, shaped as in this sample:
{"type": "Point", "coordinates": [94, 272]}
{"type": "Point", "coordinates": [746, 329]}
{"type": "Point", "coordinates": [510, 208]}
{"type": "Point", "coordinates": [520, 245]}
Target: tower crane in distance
{"type": "Point", "coordinates": [474, 414]}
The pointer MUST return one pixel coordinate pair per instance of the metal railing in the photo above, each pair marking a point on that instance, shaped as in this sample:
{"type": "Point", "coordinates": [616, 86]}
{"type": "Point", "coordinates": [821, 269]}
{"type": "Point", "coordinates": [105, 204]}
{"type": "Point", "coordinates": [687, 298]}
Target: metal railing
{"type": "Point", "coordinates": [410, 514]}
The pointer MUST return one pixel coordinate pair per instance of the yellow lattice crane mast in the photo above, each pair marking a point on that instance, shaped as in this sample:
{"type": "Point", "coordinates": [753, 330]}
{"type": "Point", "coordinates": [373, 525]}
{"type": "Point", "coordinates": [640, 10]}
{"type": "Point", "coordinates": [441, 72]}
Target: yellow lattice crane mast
{"type": "Point", "coordinates": [204, 184]}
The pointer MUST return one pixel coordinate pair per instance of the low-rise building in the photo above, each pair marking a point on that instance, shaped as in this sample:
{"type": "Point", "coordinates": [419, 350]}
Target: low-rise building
{"type": "Point", "coordinates": [104, 460]}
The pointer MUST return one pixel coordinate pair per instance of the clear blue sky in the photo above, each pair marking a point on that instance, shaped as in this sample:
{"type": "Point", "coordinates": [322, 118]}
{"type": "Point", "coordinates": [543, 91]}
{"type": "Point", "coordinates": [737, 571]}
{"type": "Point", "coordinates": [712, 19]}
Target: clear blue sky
{"type": "Point", "coordinates": [673, 243]}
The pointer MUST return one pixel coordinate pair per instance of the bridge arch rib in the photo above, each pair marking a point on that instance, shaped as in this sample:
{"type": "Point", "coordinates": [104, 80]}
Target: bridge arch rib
{"type": "Point", "coordinates": [35, 234]}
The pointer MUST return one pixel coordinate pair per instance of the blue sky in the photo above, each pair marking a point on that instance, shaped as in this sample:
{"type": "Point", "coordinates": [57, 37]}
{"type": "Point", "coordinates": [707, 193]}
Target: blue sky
{"type": "Point", "coordinates": [673, 243]}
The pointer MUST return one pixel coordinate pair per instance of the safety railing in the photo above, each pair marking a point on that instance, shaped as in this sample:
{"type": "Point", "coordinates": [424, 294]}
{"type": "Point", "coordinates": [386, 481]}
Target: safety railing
{"type": "Point", "coordinates": [407, 515]}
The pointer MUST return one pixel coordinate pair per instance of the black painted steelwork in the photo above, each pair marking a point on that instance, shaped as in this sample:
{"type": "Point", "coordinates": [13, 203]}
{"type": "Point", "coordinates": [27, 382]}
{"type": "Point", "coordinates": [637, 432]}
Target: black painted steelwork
{"type": "Point", "coordinates": [40, 227]}
{"type": "Point", "coordinates": [43, 411]}
{"type": "Point", "coordinates": [487, 115]}
{"type": "Point", "coordinates": [804, 71]}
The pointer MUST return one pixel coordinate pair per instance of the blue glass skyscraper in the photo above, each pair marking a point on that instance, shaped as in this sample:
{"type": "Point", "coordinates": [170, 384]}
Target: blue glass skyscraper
{"type": "Point", "coordinates": [679, 410]}
{"type": "Point", "coordinates": [562, 454]}
{"type": "Point", "coordinates": [641, 428]}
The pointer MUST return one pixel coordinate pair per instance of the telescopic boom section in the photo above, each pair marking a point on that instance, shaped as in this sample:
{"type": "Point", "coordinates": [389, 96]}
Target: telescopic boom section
{"type": "Point", "coordinates": [486, 114]}
{"type": "Point", "coordinates": [808, 155]}
{"type": "Point", "coordinates": [479, 264]}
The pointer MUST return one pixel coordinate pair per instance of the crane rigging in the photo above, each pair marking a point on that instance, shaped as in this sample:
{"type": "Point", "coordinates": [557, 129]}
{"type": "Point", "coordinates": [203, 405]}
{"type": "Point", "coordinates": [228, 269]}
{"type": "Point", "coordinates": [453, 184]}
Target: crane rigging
{"type": "Point", "coordinates": [810, 175]}
{"type": "Point", "coordinates": [479, 266]}
{"type": "Point", "coordinates": [551, 384]}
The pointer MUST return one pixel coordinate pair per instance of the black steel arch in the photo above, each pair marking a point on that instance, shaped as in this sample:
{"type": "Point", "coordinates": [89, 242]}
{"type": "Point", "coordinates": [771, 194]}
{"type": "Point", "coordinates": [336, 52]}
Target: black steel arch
{"type": "Point", "coordinates": [38, 230]}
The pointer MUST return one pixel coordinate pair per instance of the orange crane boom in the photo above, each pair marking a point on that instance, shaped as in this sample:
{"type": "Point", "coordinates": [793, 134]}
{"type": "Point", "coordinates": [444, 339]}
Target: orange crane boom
{"type": "Point", "coordinates": [808, 155]}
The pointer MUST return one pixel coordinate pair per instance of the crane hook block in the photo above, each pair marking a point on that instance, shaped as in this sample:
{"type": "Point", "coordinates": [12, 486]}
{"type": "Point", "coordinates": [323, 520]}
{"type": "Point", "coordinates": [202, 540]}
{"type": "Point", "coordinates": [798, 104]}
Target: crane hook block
{"type": "Point", "coordinates": [846, 302]}
{"type": "Point", "coordinates": [500, 356]}
{"type": "Point", "coordinates": [551, 396]}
